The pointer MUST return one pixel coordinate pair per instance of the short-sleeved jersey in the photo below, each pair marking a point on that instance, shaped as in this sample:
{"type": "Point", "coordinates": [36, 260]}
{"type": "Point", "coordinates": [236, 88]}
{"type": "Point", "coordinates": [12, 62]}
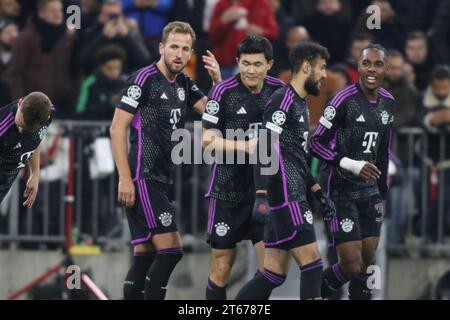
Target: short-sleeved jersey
{"type": "Point", "coordinates": [159, 107]}
{"type": "Point", "coordinates": [354, 127]}
{"type": "Point", "coordinates": [232, 106]}
{"type": "Point", "coordinates": [287, 116]}
{"type": "Point", "coordinates": [16, 147]}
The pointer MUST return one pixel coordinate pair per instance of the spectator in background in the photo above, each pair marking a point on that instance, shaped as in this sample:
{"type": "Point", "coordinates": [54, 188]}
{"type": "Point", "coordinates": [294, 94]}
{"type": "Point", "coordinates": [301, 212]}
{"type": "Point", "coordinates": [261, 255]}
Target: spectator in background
{"type": "Point", "coordinates": [436, 101]}
{"type": "Point", "coordinates": [10, 9]}
{"type": "Point", "coordinates": [294, 36]}
{"type": "Point", "coordinates": [280, 51]}
{"type": "Point", "coordinates": [416, 51]}
{"type": "Point", "coordinates": [440, 33]}
{"type": "Point", "coordinates": [99, 92]}
{"type": "Point", "coordinates": [330, 27]}
{"type": "Point", "coordinates": [406, 99]}
{"type": "Point", "coordinates": [232, 21]}
{"type": "Point", "coordinates": [151, 16]}
{"type": "Point", "coordinates": [42, 56]}
{"type": "Point", "coordinates": [8, 34]}
{"type": "Point", "coordinates": [358, 42]}
{"type": "Point", "coordinates": [406, 96]}
{"type": "Point", "coordinates": [436, 108]}
{"type": "Point", "coordinates": [390, 33]}
{"type": "Point", "coordinates": [410, 74]}
{"type": "Point", "coordinates": [415, 15]}
{"type": "Point", "coordinates": [90, 10]}
{"type": "Point", "coordinates": [112, 28]}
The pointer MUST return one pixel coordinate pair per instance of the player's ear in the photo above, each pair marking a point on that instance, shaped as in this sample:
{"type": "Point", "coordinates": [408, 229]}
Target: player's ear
{"type": "Point", "coordinates": [237, 60]}
{"type": "Point", "coordinates": [161, 48]}
{"type": "Point", "coordinates": [306, 67]}
{"type": "Point", "coordinates": [270, 64]}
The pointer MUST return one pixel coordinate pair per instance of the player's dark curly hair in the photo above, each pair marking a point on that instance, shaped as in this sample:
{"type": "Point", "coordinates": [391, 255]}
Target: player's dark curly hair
{"type": "Point", "coordinates": [255, 44]}
{"type": "Point", "coordinates": [308, 51]}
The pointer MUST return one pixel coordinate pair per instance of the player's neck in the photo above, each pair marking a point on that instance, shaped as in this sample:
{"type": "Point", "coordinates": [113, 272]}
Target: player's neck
{"type": "Point", "coordinates": [299, 86]}
{"type": "Point", "coordinates": [371, 95]}
{"type": "Point", "coordinates": [166, 73]}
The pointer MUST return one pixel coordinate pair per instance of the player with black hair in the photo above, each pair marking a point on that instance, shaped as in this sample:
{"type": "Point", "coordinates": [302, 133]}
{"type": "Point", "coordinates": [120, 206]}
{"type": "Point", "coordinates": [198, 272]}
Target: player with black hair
{"type": "Point", "coordinates": [353, 140]}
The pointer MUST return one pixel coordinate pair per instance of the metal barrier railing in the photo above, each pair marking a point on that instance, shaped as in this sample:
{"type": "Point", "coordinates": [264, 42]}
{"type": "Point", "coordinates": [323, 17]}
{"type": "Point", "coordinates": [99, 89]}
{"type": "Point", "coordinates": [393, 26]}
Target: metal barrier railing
{"type": "Point", "coordinates": [92, 208]}
{"type": "Point", "coordinates": [419, 206]}
{"type": "Point", "coordinates": [98, 218]}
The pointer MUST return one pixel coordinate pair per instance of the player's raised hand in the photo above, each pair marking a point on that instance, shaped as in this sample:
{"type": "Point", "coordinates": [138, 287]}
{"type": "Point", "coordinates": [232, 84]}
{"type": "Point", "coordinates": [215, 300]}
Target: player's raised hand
{"type": "Point", "coordinates": [126, 192]}
{"type": "Point", "coordinates": [31, 191]}
{"type": "Point", "coordinates": [369, 172]}
{"type": "Point", "coordinates": [212, 66]}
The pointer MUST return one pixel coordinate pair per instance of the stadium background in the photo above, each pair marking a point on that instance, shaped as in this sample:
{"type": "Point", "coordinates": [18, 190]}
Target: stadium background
{"type": "Point", "coordinates": [82, 71]}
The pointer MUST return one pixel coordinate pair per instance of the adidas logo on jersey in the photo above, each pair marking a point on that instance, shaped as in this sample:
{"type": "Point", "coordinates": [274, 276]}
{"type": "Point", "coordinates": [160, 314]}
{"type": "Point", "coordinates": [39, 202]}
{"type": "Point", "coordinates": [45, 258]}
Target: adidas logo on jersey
{"type": "Point", "coordinates": [17, 146]}
{"type": "Point", "coordinates": [361, 119]}
{"type": "Point", "coordinates": [302, 119]}
{"type": "Point", "coordinates": [164, 96]}
{"type": "Point", "coordinates": [241, 111]}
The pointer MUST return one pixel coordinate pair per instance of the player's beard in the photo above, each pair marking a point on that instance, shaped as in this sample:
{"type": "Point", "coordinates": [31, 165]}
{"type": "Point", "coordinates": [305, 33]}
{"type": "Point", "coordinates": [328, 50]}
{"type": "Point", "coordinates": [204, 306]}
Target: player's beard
{"type": "Point", "coordinates": [172, 70]}
{"type": "Point", "coordinates": [312, 86]}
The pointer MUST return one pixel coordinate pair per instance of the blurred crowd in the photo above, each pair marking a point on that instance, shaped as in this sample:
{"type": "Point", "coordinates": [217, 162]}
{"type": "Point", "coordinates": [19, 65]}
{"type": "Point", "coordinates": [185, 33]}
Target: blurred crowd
{"type": "Point", "coordinates": [82, 70]}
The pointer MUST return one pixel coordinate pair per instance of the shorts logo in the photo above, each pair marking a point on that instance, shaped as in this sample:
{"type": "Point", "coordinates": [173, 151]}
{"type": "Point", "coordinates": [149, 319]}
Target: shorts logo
{"type": "Point", "coordinates": [134, 92]}
{"type": "Point", "coordinates": [347, 225]}
{"type": "Point", "coordinates": [221, 229]}
{"type": "Point", "coordinates": [181, 94]}
{"type": "Point", "coordinates": [329, 113]}
{"type": "Point", "coordinates": [166, 219]}
{"type": "Point", "coordinates": [212, 107]}
{"type": "Point", "coordinates": [278, 118]}
{"type": "Point", "coordinates": [379, 207]}
{"type": "Point", "coordinates": [308, 217]}
{"type": "Point", "coordinates": [384, 117]}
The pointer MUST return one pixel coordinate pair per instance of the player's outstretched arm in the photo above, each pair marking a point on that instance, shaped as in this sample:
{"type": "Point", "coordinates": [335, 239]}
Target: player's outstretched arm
{"type": "Point", "coordinates": [118, 132]}
{"type": "Point", "coordinates": [33, 181]}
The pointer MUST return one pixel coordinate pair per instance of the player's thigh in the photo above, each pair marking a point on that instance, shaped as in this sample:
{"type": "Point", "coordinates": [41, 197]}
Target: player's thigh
{"type": "Point", "coordinates": [277, 260]}
{"type": "Point", "coordinates": [260, 252]}
{"type": "Point", "coordinates": [168, 240]}
{"type": "Point", "coordinates": [369, 246]}
{"type": "Point", "coordinates": [144, 247]}
{"type": "Point", "coordinates": [306, 254]}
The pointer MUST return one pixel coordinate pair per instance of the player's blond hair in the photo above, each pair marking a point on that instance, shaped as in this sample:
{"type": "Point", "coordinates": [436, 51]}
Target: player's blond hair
{"type": "Point", "coordinates": [178, 27]}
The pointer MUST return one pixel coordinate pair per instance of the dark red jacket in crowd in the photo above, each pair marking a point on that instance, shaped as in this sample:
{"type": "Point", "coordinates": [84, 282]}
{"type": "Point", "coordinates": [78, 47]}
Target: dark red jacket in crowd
{"type": "Point", "coordinates": [225, 38]}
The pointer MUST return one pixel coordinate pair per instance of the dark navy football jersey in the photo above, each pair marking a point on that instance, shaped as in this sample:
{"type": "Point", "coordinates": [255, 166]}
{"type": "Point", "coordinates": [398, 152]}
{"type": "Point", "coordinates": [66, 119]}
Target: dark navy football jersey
{"type": "Point", "coordinates": [16, 147]}
{"type": "Point", "coordinates": [232, 106]}
{"type": "Point", "coordinates": [159, 107]}
{"type": "Point", "coordinates": [287, 116]}
{"type": "Point", "coordinates": [354, 127]}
